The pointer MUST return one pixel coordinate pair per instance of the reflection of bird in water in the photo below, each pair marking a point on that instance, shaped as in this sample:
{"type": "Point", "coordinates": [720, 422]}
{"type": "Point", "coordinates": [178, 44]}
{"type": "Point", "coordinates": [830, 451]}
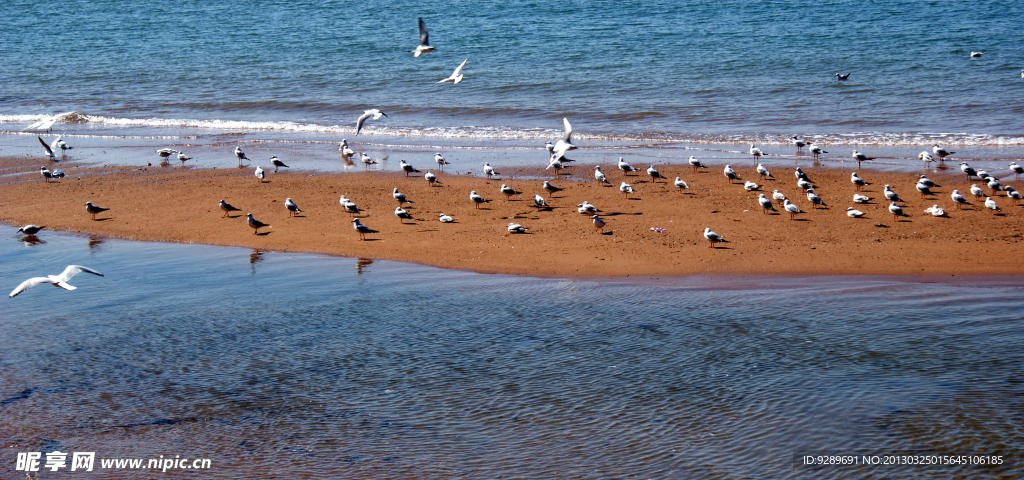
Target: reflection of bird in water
{"type": "Point", "coordinates": [362, 263]}
{"type": "Point", "coordinates": [31, 240]}
{"type": "Point", "coordinates": [95, 242]}
{"type": "Point", "coordinates": [255, 257]}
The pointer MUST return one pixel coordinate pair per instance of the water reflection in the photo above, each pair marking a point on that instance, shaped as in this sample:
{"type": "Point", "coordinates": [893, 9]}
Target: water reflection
{"type": "Point", "coordinates": [362, 263]}
{"type": "Point", "coordinates": [95, 243]}
{"type": "Point", "coordinates": [255, 257]}
{"type": "Point", "coordinates": [32, 240]}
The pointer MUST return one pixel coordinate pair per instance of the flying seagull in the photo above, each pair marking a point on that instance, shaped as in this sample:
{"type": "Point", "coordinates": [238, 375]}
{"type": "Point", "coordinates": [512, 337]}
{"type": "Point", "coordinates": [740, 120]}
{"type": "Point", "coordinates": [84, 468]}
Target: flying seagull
{"type": "Point", "coordinates": [424, 45]}
{"type": "Point", "coordinates": [564, 144]}
{"type": "Point", "coordinates": [375, 113]}
{"type": "Point", "coordinates": [49, 149]}
{"type": "Point", "coordinates": [57, 280]}
{"type": "Point", "coordinates": [456, 76]}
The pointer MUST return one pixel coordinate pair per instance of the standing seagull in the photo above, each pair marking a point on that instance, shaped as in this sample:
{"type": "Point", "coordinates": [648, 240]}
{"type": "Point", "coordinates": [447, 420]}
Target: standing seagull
{"type": "Point", "coordinates": [940, 152]}
{"type": "Point", "coordinates": [402, 215]}
{"type": "Point", "coordinates": [564, 144]}
{"type": "Point", "coordinates": [538, 201]}
{"type": "Point", "coordinates": [400, 197]}
{"type": "Point", "coordinates": [791, 208]}
{"type": "Point", "coordinates": [968, 170]}
{"type": "Point", "coordinates": [977, 191]}
{"type": "Point", "coordinates": [761, 170]}
{"type": "Point", "coordinates": [259, 173]}
{"type": "Point", "coordinates": [797, 142]}
{"type": "Point", "coordinates": [277, 163]}
{"type": "Point", "coordinates": [891, 195]}
{"type": "Point", "coordinates": [857, 181]}
{"type": "Point", "coordinates": [49, 151]}
{"type": "Point", "coordinates": [926, 157]}
{"type": "Point", "coordinates": [292, 207]}
{"type": "Point", "coordinates": [860, 157]}
{"type": "Point", "coordinates": [598, 223]}
{"type": "Point", "coordinates": [406, 167]}
{"type": "Point", "coordinates": [756, 152]}
{"type": "Point", "coordinates": [766, 204]}
{"type": "Point", "coordinates": [958, 199]}
{"type": "Point", "coordinates": [778, 196]}
{"type": "Point", "coordinates": [800, 174]}
{"type": "Point", "coordinates": [896, 211]}
{"type": "Point", "coordinates": [680, 184]}
{"type": "Point", "coordinates": [424, 45]}
{"type": "Point", "coordinates": [1016, 169]}
{"type": "Point", "coordinates": [441, 162]}
{"type": "Point", "coordinates": [375, 113]}
{"type": "Point", "coordinates": [367, 161]}
{"type": "Point", "coordinates": [695, 163]}
{"type": "Point", "coordinates": [599, 175]}
{"type": "Point", "coordinates": [345, 150]}
{"type": "Point", "coordinates": [548, 187]}
{"type": "Point", "coordinates": [508, 191]}
{"type": "Point", "coordinates": [489, 171]}
{"type": "Point", "coordinates": [57, 280]}
{"type": "Point", "coordinates": [238, 153]}
{"type": "Point", "coordinates": [476, 199]}
{"type": "Point", "coordinates": [182, 158]}
{"type": "Point", "coordinates": [227, 208]}
{"type": "Point", "coordinates": [655, 175]}
{"type": "Point", "coordinates": [456, 76]}
{"type": "Point", "coordinates": [255, 224]}
{"type": "Point", "coordinates": [626, 189]}
{"type": "Point", "coordinates": [45, 172]}
{"type": "Point", "coordinates": [991, 205]}
{"type": "Point", "coordinates": [730, 174]}
{"type": "Point", "coordinates": [816, 150]}
{"type": "Point", "coordinates": [713, 237]}
{"type": "Point", "coordinates": [625, 167]}
{"type": "Point", "coordinates": [93, 209]}
{"type": "Point", "coordinates": [165, 152]}
{"type": "Point", "coordinates": [431, 178]}
{"type": "Point", "coordinates": [64, 147]}
{"type": "Point", "coordinates": [815, 199]}
{"type": "Point", "coordinates": [362, 229]}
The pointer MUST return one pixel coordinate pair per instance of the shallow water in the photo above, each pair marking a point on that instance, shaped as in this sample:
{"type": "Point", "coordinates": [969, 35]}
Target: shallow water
{"type": "Point", "coordinates": [281, 365]}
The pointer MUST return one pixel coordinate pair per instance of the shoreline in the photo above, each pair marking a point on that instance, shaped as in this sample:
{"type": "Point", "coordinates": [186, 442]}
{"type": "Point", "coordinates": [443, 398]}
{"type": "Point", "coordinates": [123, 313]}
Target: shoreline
{"type": "Point", "coordinates": [180, 205]}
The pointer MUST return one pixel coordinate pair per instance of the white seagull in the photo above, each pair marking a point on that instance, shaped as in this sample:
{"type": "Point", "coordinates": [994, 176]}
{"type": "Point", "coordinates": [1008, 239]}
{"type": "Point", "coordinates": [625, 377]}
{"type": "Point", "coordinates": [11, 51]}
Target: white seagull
{"type": "Point", "coordinates": [977, 191]}
{"type": "Point", "coordinates": [362, 229]}
{"type": "Point", "coordinates": [927, 181]}
{"type": "Point", "coordinates": [538, 201]}
{"type": "Point", "coordinates": [730, 173]}
{"type": "Point", "coordinates": [277, 163]}
{"type": "Point", "coordinates": [695, 163]}
{"type": "Point", "coordinates": [445, 218]}
{"type": "Point", "coordinates": [292, 207]}
{"type": "Point", "coordinates": [991, 204]}
{"type": "Point", "coordinates": [923, 189]}
{"type": "Point", "coordinates": [402, 215]}
{"type": "Point", "coordinates": [345, 150]}
{"type": "Point", "coordinates": [441, 162]}
{"type": "Point", "coordinates": [516, 228]}
{"type": "Point", "coordinates": [977, 54]}
{"type": "Point", "coordinates": [64, 147]}
{"type": "Point", "coordinates": [183, 158]}
{"type": "Point", "coordinates": [456, 76]}
{"type": "Point", "coordinates": [853, 213]}
{"type": "Point", "coordinates": [238, 154]}
{"type": "Point", "coordinates": [45, 172]}
{"type": "Point", "coordinates": [800, 174]}
{"type": "Point", "coordinates": [857, 181]}
{"type": "Point", "coordinates": [564, 144]}
{"type": "Point", "coordinates": [56, 280]}
{"type": "Point", "coordinates": [858, 198]}
{"type": "Point", "coordinates": [756, 152]}
{"type": "Point", "coordinates": [375, 113]}
{"type": "Point", "coordinates": [940, 152]}
{"type": "Point", "coordinates": [891, 195]}
{"type": "Point", "coordinates": [958, 199]}
{"type": "Point", "coordinates": [625, 167]}
{"type": "Point", "coordinates": [778, 196]}
{"type": "Point", "coordinates": [761, 170]}
{"type": "Point", "coordinates": [598, 223]}
{"type": "Point", "coordinates": [599, 175]}
{"type": "Point", "coordinates": [476, 198]}
{"type": "Point", "coordinates": [424, 45]}
{"type": "Point", "coordinates": [166, 152]}
{"type": "Point", "coordinates": [750, 186]}
{"type": "Point", "coordinates": [626, 188]}
{"type": "Point", "coordinates": [349, 206]}
{"type": "Point", "coordinates": [367, 161]}
{"type": "Point", "coordinates": [816, 150]}
{"type": "Point", "coordinates": [1016, 169]}
{"type": "Point", "coordinates": [926, 157]}
{"type": "Point", "coordinates": [400, 197]}
{"type": "Point", "coordinates": [654, 174]}
{"type": "Point", "coordinates": [680, 184]}
{"type": "Point", "coordinates": [935, 210]}
{"type": "Point", "coordinates": [797, 142]}
{"type": "Point", "coordinates": [586, 208]}
{"type": "Point", "coordinates": [406, 167]}
{"type": "Point", "coordinates": [713, 237]}
{"type": "Point", "coordinates": [815, 199]}
{"type": "Point", "coordinates": [259, 173]}
{"type": "Point", "coordinates": [227, 208]}
{"type": "Point", "coordinates": [968, 170]}
{"type": "Point", "coordinates": [1012, 193]}
{"type": "Point", "coordinates": [791, 208]}
{"type": "Point", "coordinates": [895, 210]}
{"type": "Point", "coordinates": [508, 191]}
{"type": "Point", "coordinates": [860, 157]}
{"type": "Point", "coordinates": [49, 150]}
{"type": "Point", "coordinates": [431, 178]}
{"type": "Point", "coordinates": [30, 229]}
{"type": "Point", "coordinates": [766, 204]}
{"type": "Point", "coordinates": [255, 224]}
{"type": "Point", "coordinates": [548, 187]}
{"type": "Point", "coordinates": [489, 171]}
{"type": "Point", "coordinates": [804, 184]}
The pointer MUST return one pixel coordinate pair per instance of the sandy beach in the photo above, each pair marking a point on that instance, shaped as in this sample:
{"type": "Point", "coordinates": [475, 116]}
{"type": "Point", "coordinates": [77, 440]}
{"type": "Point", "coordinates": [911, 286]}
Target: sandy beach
{"type": "Point", "coordinates": [173, 204]}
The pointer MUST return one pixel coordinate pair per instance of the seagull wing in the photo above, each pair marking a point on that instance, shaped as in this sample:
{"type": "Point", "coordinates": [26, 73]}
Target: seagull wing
{"type": "Point", "coordinates": [459, 69]}
{"type": "Point", "coordinates": [47, 147]}
{"type": "Point", "coordinates": [424, 36]}
{"type": "Point", "coordinates": [568, 130]}
{"type": "Point", "coordinates": [27, 284]}
{"type": "Point", "coordinates": [362, 120]}
{"type": "Point", "coordinates": [73, 270]}
{"type": "Point", "coordinates": [56, 143]}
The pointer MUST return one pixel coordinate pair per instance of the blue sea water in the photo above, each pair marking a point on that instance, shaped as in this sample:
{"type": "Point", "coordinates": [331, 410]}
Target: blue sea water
{"type": "Point", "coordinates": [724, 71]}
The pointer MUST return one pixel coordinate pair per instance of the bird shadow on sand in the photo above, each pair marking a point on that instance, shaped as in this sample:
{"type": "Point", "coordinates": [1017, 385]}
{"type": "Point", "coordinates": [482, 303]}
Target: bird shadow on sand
{"type": "Point", "coordinates": [545, 209]}
{"type": "Point", "coordinates": [614, 214]}
{"type": "Point", "coordinates": [371, 240]}
{"type": "Point", "coordinates": [721, 248]}
{"type": "Point", "coordinates": [606, 233]}
{"type": "Point", "coordinates": [801, 219]}
{"type": "Point", "coordinates": [103, 219]}
{"type": "Point", "coordinates": [263, 234]}
{"type": "Point", "coordinates": [298, 216]}
{"type": "Point", "coordinates": [229, 216]}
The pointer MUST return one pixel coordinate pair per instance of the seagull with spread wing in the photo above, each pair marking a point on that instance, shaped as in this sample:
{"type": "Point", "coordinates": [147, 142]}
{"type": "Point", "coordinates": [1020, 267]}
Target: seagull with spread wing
{"type": "Point", "coordinates": [57, 280]}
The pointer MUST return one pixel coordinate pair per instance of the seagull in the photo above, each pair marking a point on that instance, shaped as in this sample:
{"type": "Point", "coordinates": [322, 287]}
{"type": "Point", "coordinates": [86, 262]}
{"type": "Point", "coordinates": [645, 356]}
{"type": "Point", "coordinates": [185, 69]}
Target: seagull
{"type": "Point", "coordinates": [695, 163]}
{"type": "Point", "coordinates": [49, 151]}
{"type": "Point", "coordinates": [182, 158]}
{"type": "Point", "coordinates": [548, 187]}
{"type": "Point", "coordinates": [45, 172]}
{"type": "Point", "coordinates": [994, 184]}
{"type": "Point", "coordinates": [441, 162]}
{"type": "Point", "coordinates": [227, 208]}
{"type": "Point", "coordinates": [56, 280]}
{"type": "Point", "coordinates": [842, 77]}
{"type": "Point", "coordinates": [362, 229]}
{"type": "Point", "coordinates": [238, 153]}
{"type": "Point", "coordinates": [599, 175]}
{"type": "Point", "coordinates": [255, 224]}
{"type": "Point", "coordinates": [64, 147]}
{"type": "Point", "coordinates": [538, 201]}
{"type": "Point", "coordinates": [424, 45]}
{"type": "Point", "coordinates": [509, 191]}
{"type": "Point", "coordinates": [625, 167]}
{"type": "Point", "coordinates": [976, 191]}
{"type": "Point", "coordinates": [959, 199]}
{"type": "Point", "coordinates": [406, 167]}
{"type": "Point", "coordinates": [797, 142]}
{"type": "Point", "coordinates": [259, 173]}
{"type": "Point", "coordinates": [345, 150]}
{"type": "Point", "coordinates": [800, 174]}
{"type": "Point", "coordinates": [895, 210]}
{"type": "Point", "coordinates": [977, 54]}
{"type": "Point", "coordinates": [964, 167]}
{"type": "Point", "coordinates": [750, 186]}
{"type": "Point", "coordinates": [854, 213]}
{"type": "Point", "coordinates": [367, 161]}
{"type": "Point", "coordinates": [991, 204]}
{"type": "Point", "coordinates": [598, 223]}
{"type": "Point", "coordinates": [766, 204]}
{"type": "Point", "coordinates": [936, 211]}
{"type": "Point", "coordinates": [756, 152]}
{"type": "Point", "coordinates": [791, 208]}
{"type": "Point", "coordinates": [456, 76]}
{"type": "Point", "coordinates": [47, 122]}
{"type": "Point", "coordinates": [778, 196]}
{"type": "Point", "coordinates": [891, 195]}
{"type": "Point", "coordinates": [712, 237]}
{"type": "Point", "coordinates": [165, 152]}
{"type": "Point", "coordinates": [489, 171]}
{"type": "Point", "coordinates": [564, 144]}
{"type": "Point", "coordinates": [804, 184]}
{"type": "Point", "coordinates": [761, 170]}
{"type": "Point", "coordinates": [554, 163]}
{"type": "Point", "coordinates": [815, 199]}
{"type": "Point", "coordinates": [940, 152]}
{"type": "Point", "coordinates": [586, 208]}
{"type": "Point", "coordinates": [731, 174]}
{"type": "Point", "coordinates": [859, 182]}
{"type": "Point", "coordinates": [1016, 169]}
{"type": "Point", "coordinates": [476, 198]}
{"type": "Point", "coordinates": [375, 113]}
{"type": "Point", "coordinates": [349, 206]}
{"type": "Point", "coordinates": [291, 206]}
{"type": "Point", "coordinates": [923, 189]}
{"type": "Point", "coordinates": [30, 229]}
{"type": "Point", "coordinates": [93, 209]}
{"type": "Point", "coordinates": [626, 188]}
{"type": "Point", "coordinates": [925, 180]}
{"type": "Point", "coordinates": [431, 178]}
{"type": "Point", "coordinates": [445, 218]}
{"type": "Point", "coordinates": [277, 163]}
{"type": "Point", "coordinates": [680, 184]}
{"type": "Point", "coordinates": [400, 197]}
{"type": "Point", "coordinates": [1012, 193]}
{"type": "Point", "coordinates": [860, 157]}
{"type": "Point", "coordinates": [402, 214]}
{"type": "Point", "coordinates": [858, 198]}
{"type": "Point", "coordinates": [58, 174]}
{"type": "Point", "coordinates": [655, 175]}
{"type": "Point", "coordinates": [926, 157]}
{"type": "Point", "coordinates": [816, 150]}
{"type": "Point", "coordinates": [516, 228]}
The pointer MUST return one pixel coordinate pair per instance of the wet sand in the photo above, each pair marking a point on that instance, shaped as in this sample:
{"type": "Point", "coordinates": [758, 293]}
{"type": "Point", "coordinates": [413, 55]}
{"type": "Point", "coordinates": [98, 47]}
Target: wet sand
{"type": "Point", "coordinates": [176, 204]}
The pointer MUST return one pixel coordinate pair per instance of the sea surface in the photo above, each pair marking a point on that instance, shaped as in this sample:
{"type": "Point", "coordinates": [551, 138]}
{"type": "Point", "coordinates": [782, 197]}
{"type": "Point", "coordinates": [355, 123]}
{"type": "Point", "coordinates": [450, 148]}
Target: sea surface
{"type": "Point", "coordinates": [278, 365]}
{"type": "Point", "coordinates": [204, 77]}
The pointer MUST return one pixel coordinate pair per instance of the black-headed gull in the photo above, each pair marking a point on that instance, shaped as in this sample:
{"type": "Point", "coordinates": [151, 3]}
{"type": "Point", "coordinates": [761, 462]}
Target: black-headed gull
{"type": "Point", "coordinates": [797, 142]}
{"type": "Point", "coordinates": [430, 177]}
{"type": "Point", "coordinates": [277, 163]}
{"type": "Point", "coordinates": [255, 224]}
{"type": "Point", "coordinates": [940, 152]}
{"type": "Point", "coordinates": [625, 166]}
{"type": "Point", "coordinates": [815, 199]}
{"type": "Point", "coordinates": [896, 211]}
{"type": "Point", "coordinates": [64, 147]}
{"type": "Point", "coordinates": [977, 54]}
{"type": "Point", "coordinates": [441, 162]}
{"type": "Point", "coordinates": [791, 208]}
{"type": "Point", "coordinates": [516, 228]}
{"type": "Point", "coordinates": [45, 172]}
{"type": "Point", "coordinates": [994, 185]}
{"type": "Point", "coordinates": [853, 212]}
{"type": "Point", "coordinates": [292, 207]}
{"type": "Point", "coordinates": [362, 229]}
{"type": "Point", "coordinates": [30, 229]}
{"type": "Point", "coordinates": [554, 163]}
{"type": "Point", "coordinates": [713, 237]}
{"type": "Point", "coordinates": [227, 208]}
{"type": "Point", "coordinates": [400, 197]}
{"type": "Point", "coordinates": [476, 199]}
{"type": "Point", "coordinates": [766, 204]}
{"type": "Point", "coordinates": [406, 167]}
{"type": "Point", "coordinates": [564, 144]}
{"type": "Point", "coordinates": [424, 46]}
{"type": "Point", "coordinates": [958, 199]}
{"type": "Point", "coordinates": [402, 215]}
{"type": "Point", "coordinates": [58, 174]}
{"type": "Point", "coordinates": [456, 76]}
{"type": "Point", "coordinates": [598, 223]}
{"type": "Point", "coordinates": [56, 280]}
{"type": "Point", "coordinates": [367, 161]}
{"type": "Point", "coordinates": [857, 181]}
{"type": "Point", "coordinates": [730, 174]}
{"type": "Point", "coordinates": [349, 206]}
{"type": "Point", "coordinates": [372, 113]}
{"type": "Point", "coordinates": [695, 163]}
{"type": "Point", "coordinates": [259, 173]}
{"type": "Point", "coordinates": [93, 209]}
{"type": "Point", "coordinates": [680, 184]}
{"type": "Point", "coordinates": [654, 174]}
